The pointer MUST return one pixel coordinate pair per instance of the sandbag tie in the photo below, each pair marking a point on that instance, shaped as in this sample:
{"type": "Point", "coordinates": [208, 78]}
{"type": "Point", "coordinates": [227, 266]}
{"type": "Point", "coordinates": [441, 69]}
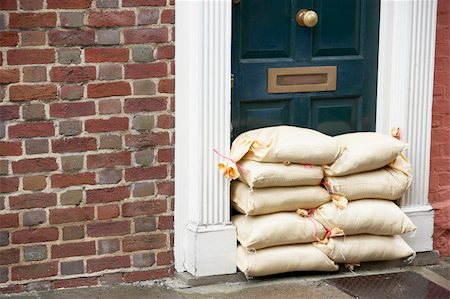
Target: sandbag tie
{"type": "Point", "coordinates": [229, 173]}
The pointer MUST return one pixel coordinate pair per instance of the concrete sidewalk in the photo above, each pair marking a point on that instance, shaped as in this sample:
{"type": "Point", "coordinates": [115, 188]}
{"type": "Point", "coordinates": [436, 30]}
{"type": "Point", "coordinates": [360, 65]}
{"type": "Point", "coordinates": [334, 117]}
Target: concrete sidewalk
{"type": "Point", "coordinates": [287, 286]}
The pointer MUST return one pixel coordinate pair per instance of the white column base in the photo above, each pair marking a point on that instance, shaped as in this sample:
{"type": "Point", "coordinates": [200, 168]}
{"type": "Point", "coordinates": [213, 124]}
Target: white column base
{"type": "Point", "coordinates": [423, 217]}
{"type": "Point", "coordinates": [210, 250]}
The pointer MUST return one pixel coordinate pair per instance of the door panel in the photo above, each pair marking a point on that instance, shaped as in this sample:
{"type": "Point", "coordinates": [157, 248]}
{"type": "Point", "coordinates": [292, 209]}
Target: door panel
{"type": "Point", "coordinates": [266, 35]}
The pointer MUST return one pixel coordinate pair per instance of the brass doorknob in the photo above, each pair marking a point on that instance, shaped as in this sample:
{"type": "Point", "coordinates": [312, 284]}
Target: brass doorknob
{"type": "Point", "coordinates": [307, 18]}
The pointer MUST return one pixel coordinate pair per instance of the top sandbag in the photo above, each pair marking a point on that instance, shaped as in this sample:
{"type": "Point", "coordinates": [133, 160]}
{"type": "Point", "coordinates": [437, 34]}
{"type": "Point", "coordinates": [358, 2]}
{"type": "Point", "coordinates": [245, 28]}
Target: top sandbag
{"type": "Point", "coordinates": [282, 144]}
{"type": "Point", "coordinates": [364, 151]}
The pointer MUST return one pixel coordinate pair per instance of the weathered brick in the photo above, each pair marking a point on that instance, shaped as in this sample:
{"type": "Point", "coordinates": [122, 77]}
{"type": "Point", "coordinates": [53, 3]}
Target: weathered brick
{"type": "Point", "coordinates": [108, 160]}
{"type": "Point", "coordinates": [107, 194]}
{"type": "Point", "coordinates": [13, 148]}
{"type": "Point", "coordinates": [35, 253]}
{"type": "Point", "coordinates": [72, 92]}
{"type": "Point", "coordinates": [134, 3]}
{"type": "Point", "coordinates": [9, 76]}
{"type": "Point", "coordinates": [117, 228]}
{"type": "Point", "coordinates": [146, 35]}
{"type": "Point", "coordinates": [9, 39]}
{"type": "Point", "coordinates": [4, 167]}
{"type": "Point", "coordinates": [166, 121]}
{"type": "Point", "coordinates": [31, 4]}
{"type": "Point", "coordinates": [8, 112]}
{"type": "Point", "coordinates": [58, 216]}
{"type": "Point", "coordinates": [166, 86]}
{"type": "Point", "coordinates": [110, 176]}
{"type": "Point", "coordinates": [74, 74]}
{"type": "Point", "coordinates": [35, 235]}
{"type": "Point", "coordinates": [72, 267]}
{"type": "Point", "coordinates": [33, 111]}
{"type": "Point", "coordinates": [110, 106]}
{"type": "Point", "coordinates": [38, 129]}
{"type": "Point", "coordinates": [9, 220]}
{"type": "Point", "coordinates": [143, 259]}
{"type": "Point", "coordinates": [15, 288]}
{"type": "Point", "coordinates": [73, 249]}
{"type": "Point", "coordinates": [148, 17]}
{"type": "Point", "coordinates": [108, 246]}
{"type": "Point", "coordinates": [100, 90]}
{"type": "Point", "coordinates": [33, 200]}
{"type": "Point", "coordinates": [4, 276]}
{"type": "Point", "coordinates": [144, 87]}
{"type": "Point", "coordinates": [70, 127]}
{"type": "Point", "coordinates": [38, 286]}
{"type": "Point", "coordinates": [32, 20]}
{"type": "Point", "coordinates": [113, 262]}
{"type": "Point", "coordinates": [106, 125]}
{"type": "Point", "coordinates": [9, 256]}
{"type": "Point", "coordinates": [8, 185]}
{"type": "Point", "coordinates": [145, 224]}
{"type": "Point", "coordinates": [164, 258]}
{"type": "Point", "coordinates": [2, 130]}
{"type": "Point", "coordinates": [145, 105]}
{"type": "Point", "coordinates": [148, 173]}
{"type": "Point", "coordinates": [110, 142]}
{"type": "Point", "coordinates": [71, 38]}
{"type": "Point", "coordinates": [143, 189]}
{"type": "Point", "coordinates": [107, 3]}
{"type": "Point", "coordinates": [34, 271]}
{"type": "Point", "coordinates": [70, 163]}
{"type": "Point", "coordinates": [149, 70]}
{"type": "Point", "coordinates": [108, 211]}
{"type": "Point", "coordinates": [111, 18]}
{"type": "Point", "coordinates": [144, 157]}
{"type": "Point", "coordinates": [74, 144]}
{"type": "Point", "coordinates": [142, 54]}
{"type": "Point", "coordinates": [34, 74]}
{"type": "Point", "coordinates": [75, 282]}
{"type": "Point", "coordinates": [4, 238]}
{"type": "Point", "coordinates": [165, 52]}
{"type": "Point", "coordinates": [143, 122]}
{"type": "Point", "coordinates": [64, 110]}
{"type": "Point", "coordinates": [68, 4]}
{"type": "Point", "coordinates": [71, 197]}
{"type": "Point", "coordinates": [34, 183]}
{"type": "Point", "coordinates": [30, 56]}
{"type": "Point", "coordinates": [111, 279]}
{"type": "Point", "coordinates": [75, 232]}
{"type": "Point", "coordinates": [138, 208]}
{"type": "Point", "coordinates": [70, 56]}
{"type": "Point", "coordinates": [108, 37]}
{"type": "Point", "coordinates": [34, 217]}
{"type": "Point", "coordinates": [76, 179]}
{"type": "Point", "coordinates": [144, 242]}
{"type": "Point", "coordinates": [33, 38]}
{"type": "Point", "coordinates": [147, 140]}
{"type": "Point", "coordinates": [71, 19]}
{"type": "Point", "coordinates": [44, 92]}
{"type": "Point", "coordinates": [34, 165]}
{"type": "Point", "coordinates": [166, 188]}
{"type": "Point", "coordinates": [36, 146]}
{"type": "Point", "coordinates": [109, 72]}
{"type": "Point", "coordinates": [166, 155]}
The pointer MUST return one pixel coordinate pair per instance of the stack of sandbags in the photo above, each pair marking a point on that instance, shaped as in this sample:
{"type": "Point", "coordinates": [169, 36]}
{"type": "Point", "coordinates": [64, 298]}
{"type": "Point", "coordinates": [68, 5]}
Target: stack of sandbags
{"type": "Point", "coordinates": [370, 173]}
{"type": "Point", "coordinates": [279, 171]}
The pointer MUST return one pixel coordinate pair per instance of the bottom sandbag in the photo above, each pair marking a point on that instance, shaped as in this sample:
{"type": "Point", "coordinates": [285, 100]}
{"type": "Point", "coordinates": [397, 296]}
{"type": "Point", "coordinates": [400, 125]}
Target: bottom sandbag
{"type": "Point", "coordinates": [282, 259]}
{"type": "Point", "coordinates": [365, 248]}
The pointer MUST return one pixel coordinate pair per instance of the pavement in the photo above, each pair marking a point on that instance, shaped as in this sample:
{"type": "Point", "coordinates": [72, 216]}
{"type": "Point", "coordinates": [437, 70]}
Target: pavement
{"type": "Point", "coordinates": [411, 282]}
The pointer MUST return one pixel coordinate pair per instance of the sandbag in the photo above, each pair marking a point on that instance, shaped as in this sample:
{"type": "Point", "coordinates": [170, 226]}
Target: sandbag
{"type": "Point", "coordinates": [365, 216]}
{"type": "Point", "coordinates": [365, 248]}
{"type": "Point", "coordinates": [282, 144]}
{"type": "Point", "coordinates": [282, 259]}
{"type": "Point", "coordinates": [276, 199]}
{"type": "Point", "coordinates": [262, 175]}
{"type": "Point", "coordinates": [256, 232]}
{"type": "Point", "coordinates": [364, 151]}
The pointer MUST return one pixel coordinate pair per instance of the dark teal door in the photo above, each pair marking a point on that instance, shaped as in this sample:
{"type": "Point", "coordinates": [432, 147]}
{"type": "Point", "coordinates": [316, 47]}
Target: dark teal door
{"type": "Point", "coordinates": [268, 42]}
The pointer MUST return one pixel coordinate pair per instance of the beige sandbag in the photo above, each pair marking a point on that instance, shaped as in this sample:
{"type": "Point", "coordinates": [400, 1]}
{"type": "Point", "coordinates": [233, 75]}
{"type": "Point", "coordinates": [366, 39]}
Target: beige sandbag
{"type": "Point", "coordinates": [365, 216]}
{"type": "Point", "coordinates": [365, 248]}
{"type": "Point", "coordinates": [390, 182]}
{"type": "Point", "coordinates": [365, 151]}
{"type": "Point", "coordinates": [256, 232]}
{"type": "Point", "coordinates": [282, 144]}
{"type": "Point", "coordinates": [276, 199]}
{"type": "Point", "coordinates": [282, 259]}
{"type": "Point", "coordinates": [261, 175]}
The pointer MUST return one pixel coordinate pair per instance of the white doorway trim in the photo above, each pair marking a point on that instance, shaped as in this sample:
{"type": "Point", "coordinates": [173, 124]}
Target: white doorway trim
{"type": "Point", "coordinates": [205, 240]}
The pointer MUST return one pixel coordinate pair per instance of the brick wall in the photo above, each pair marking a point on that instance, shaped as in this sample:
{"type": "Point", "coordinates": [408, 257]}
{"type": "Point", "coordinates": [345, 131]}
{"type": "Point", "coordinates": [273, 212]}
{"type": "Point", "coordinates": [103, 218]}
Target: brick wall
{"type": "Point", "coordinates": [86, 142]}
{"type": "Point", "coordinates": [440, 135]}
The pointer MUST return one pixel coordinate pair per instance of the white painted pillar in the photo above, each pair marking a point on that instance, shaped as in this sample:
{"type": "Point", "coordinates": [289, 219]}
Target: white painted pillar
{"type": "Point", "coordinates": [405, 96]}
{"type": "Point", "coordinates": [205, 239]}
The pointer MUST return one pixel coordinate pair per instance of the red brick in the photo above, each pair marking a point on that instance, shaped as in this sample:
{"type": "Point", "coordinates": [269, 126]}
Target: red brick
{"type": "Point", "coordinates": [146, 35]}
{"type": "Point", "coordinates": [147, 17]}
{"type": "Point", "coordinates": [31, 4]}
{"type": "Point", "coordinates": [73, 145]}
{"type": "Point", "coordinates": [10, 39]}
{"type": "Point", "coordinates": [108, 160]}
{"type": "Point", "coordinates": [166, 86]}
{"type": "Point", "coordinates": [66, 180]}
{"type": "Point", "coordinates": [33, 200]}
{"type": "Point", "coordinates": [111, 19]}
{"type": "Point", "coordinates": [108, 211]}
{"type": "Point", "coordinates": [165, 222]}
{"type": "Point", "coordinates": [166, 52]}
{"type": "Point", "coordinates": [107, 195]}
{"type": "Point", "coordinates": [127, 3]}
{"type": "Point", "coordinates": [30, 56]}
{"type": "Point", "coordinates": [168, 16]}
{"type": "Point", "coordinates": [146, 275]}
{"type": "Point", "coordinates": [9, 220]}
{"type": "Point", "coordinates": [64, 110]}
{"type": "Point", "coordinates": [141, 174]}
{"type": "Point", "coordinates": [35, 235]}
{"type": "Point", "coordinates": [113, 262]}
{"type": "Point", "coordinates": [34, 271]}
{"type": "Point", "coordinates": [71, 38]}
{"type": "Point", "coordinates": [34, 165]}
{"type": "Point", "coordinates": [13, 148]}
{"type": "Point", "coordinates": [16, 288]}
{"type": "Point", "coordinates": [166, 188]}
{"type": "Point", "coordinates": [106, 125]}
{"type": "Point", "coordinates": [107, 55]}
{"type": "Point", "coordinates": [72, 92]}
{"type": "Point", "coordinates": [148, 207]}
{"type": "Point", "coordinates": [58, 216]}
{"type": "Point", "coordinates": [166, 155]}
{"type": "Point", "coordinates": [144, 242]}
{"type": "Point", "coordinates": [8, 5]}
{"type": "Point", "coordinates": [8, 112]}
{"type": "Point", "coordinates": [113, 106]}
{"type": "Point", "coordinates": [118, 228]}
{"type": "Point", "coordinates": [69, 4]}
{"type": "Point", "coordinates": [146, 140]}
{"type": "Point", "coordinates": [38, 129]}
{"type": "Point", "coordinates": [9, 256]}
{"type": "Point", "coordinates": [8, 185]}
{"type": "Point", "coordinates": [32, 92]}
{"type": "Point", "coordinates": [166, 121]}
{"type": "Point", "coordinates": [73, 249]}
{"type": "Point", "coordinates": [164, 258]}
{"type": "Point", "coordinates": [72, 74]}
{"type": "Point", "coordinates": [33, 38]}
{"type": "Point", "coordinates": [139, 71]}
{"type": "Point", "coordinates": [75, 282]}
{"type": "Point", "coordinates": [73, 232]}
{"type": "Point", "coordinates": [31, 20]}
{"type": "Point", "coordinates": [101, 90]}
{"type": "Point", "coordinates": [145, 104]}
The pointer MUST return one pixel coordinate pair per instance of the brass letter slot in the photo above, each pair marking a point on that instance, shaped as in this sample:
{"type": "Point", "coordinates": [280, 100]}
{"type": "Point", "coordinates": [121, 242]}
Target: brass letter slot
{"type": "Point", "coordinates": [301, 79]}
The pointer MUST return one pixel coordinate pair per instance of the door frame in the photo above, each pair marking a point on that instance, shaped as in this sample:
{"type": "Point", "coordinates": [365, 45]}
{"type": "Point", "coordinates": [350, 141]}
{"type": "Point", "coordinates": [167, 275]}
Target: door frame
{"type": "Point", "coordinates": [205, 239]}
